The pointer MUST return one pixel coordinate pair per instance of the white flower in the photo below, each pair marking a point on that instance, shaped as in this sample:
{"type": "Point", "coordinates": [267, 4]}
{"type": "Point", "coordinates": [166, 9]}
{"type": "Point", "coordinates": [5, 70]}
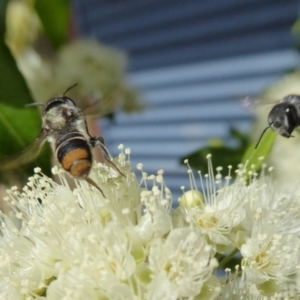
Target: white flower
{"type": "Point", "coordinates": [270, 257]}
{"type": "Point", "coordinates": [79, 245]}
{"type": "Point", "coordinates": [23, 26]}
{"type": "Point", "coordinates": [264, 201]}
{"type": "Point", "coordinates": [183, 262]}
{"type": "Point", "coordinates": [218, 212]}
{"type": "Point", "coordinates": [131, 244]}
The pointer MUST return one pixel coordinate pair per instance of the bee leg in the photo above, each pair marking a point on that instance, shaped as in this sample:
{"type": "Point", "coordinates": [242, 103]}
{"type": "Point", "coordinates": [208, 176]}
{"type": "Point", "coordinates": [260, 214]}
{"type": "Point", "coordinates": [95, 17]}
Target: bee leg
{"type": "Point", "coordinates": [93, 183]}
{"type": "Point", "coordinates": [99, 141]}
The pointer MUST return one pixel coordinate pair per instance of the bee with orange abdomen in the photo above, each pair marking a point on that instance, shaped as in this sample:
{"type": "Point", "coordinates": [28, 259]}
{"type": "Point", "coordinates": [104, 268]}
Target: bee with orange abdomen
{"type": "Point", "coordinates": [64, 126]}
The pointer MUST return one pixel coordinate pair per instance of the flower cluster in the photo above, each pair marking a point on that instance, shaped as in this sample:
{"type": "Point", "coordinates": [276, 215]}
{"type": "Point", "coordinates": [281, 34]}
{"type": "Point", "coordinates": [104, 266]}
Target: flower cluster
{"type": "Point", "coordinates": [64, 243]}
{"type": "Point", "coordinates": [252, 217]}
{"type": "Point", "coordinates": [80, 245]}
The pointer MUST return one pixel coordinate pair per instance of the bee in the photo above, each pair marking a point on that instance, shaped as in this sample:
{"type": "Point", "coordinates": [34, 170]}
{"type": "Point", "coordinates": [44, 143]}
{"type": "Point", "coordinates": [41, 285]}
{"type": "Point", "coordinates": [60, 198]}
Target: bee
{"type": "Point", "coordinates": [64, 126]}
{"type": "Point", "coordinates": [284, 117]}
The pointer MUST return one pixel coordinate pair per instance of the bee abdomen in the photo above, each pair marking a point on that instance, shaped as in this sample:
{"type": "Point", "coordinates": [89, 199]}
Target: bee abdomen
{"type": "Point", "coordinates": [81, 168]}
{"type": "Point", "coordinates": [74, 154]}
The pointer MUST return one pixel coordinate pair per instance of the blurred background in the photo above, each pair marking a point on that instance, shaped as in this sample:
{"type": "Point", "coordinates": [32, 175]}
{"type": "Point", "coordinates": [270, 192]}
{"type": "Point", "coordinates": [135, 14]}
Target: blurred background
{"type": "Point", "coordinates": [177, 69]}
{"type": "Point", "coordinates": [191, 61]}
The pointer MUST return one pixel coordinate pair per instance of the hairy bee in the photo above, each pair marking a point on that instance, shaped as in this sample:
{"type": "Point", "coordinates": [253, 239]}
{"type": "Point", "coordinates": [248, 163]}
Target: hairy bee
{"type": "Point", "coordinates": [284, 117]}
{"type": "Point", "coordinates": [64, 126]}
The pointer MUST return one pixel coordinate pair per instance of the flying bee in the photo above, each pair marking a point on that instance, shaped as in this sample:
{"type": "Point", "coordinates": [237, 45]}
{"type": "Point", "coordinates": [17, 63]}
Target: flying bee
{"type": "Point", "coordinates": [64, 126]}
{"type": "Point", "coordinates": [284, 117]}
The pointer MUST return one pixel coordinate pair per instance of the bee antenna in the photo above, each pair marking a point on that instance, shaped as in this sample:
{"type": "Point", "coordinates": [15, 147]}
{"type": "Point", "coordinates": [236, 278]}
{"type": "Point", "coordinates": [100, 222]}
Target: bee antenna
{"type": "Point", "coordinates": [264, 131]}
{"type": "Point", "coordinates": [69, 88]}
{"type": "Point", "coordinates": [34, 104]}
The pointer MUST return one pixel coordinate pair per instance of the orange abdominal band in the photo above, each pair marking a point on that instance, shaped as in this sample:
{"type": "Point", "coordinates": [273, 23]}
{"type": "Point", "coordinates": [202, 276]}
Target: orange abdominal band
{"type": "Point", "coordinates": [77, 161]}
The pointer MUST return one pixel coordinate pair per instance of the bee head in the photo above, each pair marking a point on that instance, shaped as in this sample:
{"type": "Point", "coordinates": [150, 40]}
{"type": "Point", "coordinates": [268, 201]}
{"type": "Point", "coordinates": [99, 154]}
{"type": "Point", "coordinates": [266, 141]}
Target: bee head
{"type": "Point", "coordinates": [62, 103]}
{"type": "Point", "coordinates": [283, 119]}
{"type": "Point", "coordinates": [59, 111]}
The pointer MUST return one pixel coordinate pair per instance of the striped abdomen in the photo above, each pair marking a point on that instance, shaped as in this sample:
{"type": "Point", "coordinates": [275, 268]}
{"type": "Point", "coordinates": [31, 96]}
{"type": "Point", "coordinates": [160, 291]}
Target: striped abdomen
{"type": "Point", "coordinates": [74, 154]}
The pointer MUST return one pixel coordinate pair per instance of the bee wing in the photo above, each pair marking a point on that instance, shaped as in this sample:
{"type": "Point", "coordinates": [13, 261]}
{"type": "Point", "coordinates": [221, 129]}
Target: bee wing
{"type": "Point", "coordinates": [255, 104]}
{"type": "Point", "coordinates": [26, 156]}
{"type": "Point", "coordinates": [105, 104]}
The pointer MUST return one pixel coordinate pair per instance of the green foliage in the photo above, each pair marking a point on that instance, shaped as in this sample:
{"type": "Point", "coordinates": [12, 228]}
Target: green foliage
{"type": "Point", "coordinates": [252, 155]}
{"type": "Point", "coordinates": [55, 16]}
{"type": "Point", "coordinates": [18, 125]}
{"type": "Point", "coordinates": [222, 154]}
{"type": "Point", "coordinates": [3, 6]}
{"type": "Point", "coordinates": [13, 88]}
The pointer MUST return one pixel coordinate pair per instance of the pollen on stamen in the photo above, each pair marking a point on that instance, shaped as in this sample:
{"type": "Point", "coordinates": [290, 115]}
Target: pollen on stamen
{"type": "Point", "coordinates": [159, 178]}
{"type": "Point", "coordinates": [208, 156]}
{"type": "Point", "coordinates": [151, 177]}
{"type": "Point", "coordinates": [139, 166]}
{"type": "Point", "coordinates": [30, 184]}
{"type": "Point", "coordinates": [186, 161]}
{"type": "Point", "coordinates": [127, 151]}
{"type": "Point", "coordinates": [160, 172]}
{"type": "Point", "coordinates": [54, 170]}
{"type": "Point", "coordinates": [121, 147]}
{"type": "Point", "coordinates": [37, 170]}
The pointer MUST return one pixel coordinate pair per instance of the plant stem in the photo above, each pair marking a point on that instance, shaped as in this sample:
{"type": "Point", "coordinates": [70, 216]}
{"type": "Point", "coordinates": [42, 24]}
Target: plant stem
{"type": "Point", "coordinates": [218, 256]}
{"type": "Point", "coordinates": [226, 259]}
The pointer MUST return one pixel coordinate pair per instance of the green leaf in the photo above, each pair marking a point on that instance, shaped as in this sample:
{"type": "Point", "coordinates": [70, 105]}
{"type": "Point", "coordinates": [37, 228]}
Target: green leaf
{"type": "Point", "coordinates": [18, 125]}
{"type": "Point", "coordinates": [19, 128]}
{"type": "Point", "coordinates": [222, 155]}
{"type": "Point", "coordinates": [13, 88]}
{"type": "Point", "coordinates": [252, 156]}
{"type": "Point", "coordinates": [3, 6]}
{"type": "Point", "coordinates": [296, 27]}
{"type": "Point", "coordinates": [55, 16]}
